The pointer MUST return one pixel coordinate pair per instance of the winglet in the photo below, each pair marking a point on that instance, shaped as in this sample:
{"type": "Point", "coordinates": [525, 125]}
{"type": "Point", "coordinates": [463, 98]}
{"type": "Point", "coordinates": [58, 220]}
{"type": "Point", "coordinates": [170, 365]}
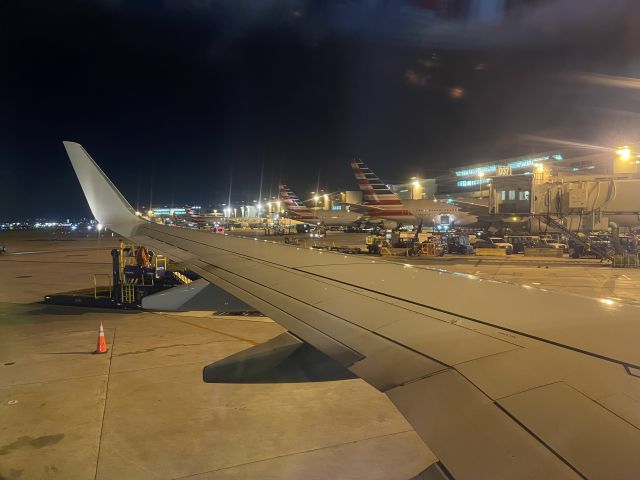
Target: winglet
{"type": "Point", "coordinates": [107, 204]}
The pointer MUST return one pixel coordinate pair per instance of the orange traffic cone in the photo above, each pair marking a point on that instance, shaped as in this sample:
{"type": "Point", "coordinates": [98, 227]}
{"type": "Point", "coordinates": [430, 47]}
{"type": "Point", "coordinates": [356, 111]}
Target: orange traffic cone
{"type": "Point", "coordinates": [102, 342]}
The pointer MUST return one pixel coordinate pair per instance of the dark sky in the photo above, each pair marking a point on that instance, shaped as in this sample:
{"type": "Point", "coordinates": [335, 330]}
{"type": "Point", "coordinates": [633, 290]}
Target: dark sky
{"type": "Point", "coordinates": [182, 94]}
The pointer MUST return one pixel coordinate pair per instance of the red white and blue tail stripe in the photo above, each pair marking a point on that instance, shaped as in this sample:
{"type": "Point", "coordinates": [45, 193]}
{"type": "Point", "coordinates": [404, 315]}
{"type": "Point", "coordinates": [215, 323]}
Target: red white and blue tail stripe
{"type": "Point", "coordinates": [376, 194]}
{"type": "Point", "coordinates": [297, 209]}
{"type": "Point", "coordinates": [374, 191]}
{"type": "Point", "coordinates": [291, 200]}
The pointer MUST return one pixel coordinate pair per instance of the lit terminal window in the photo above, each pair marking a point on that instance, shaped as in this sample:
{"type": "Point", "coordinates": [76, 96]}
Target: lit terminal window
{"type": "Point", "coordinates": [169, 211]}
{"type": "Point", "coordinates": [472, 183]}
{"type": "Point", "coordinates": [517, 164]}
{"type": "Point", "coordinates": [476, 171]}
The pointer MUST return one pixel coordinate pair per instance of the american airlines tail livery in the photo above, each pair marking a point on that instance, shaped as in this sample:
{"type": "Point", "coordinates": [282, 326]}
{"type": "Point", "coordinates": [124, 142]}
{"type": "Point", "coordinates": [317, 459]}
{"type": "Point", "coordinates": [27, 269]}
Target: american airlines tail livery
{"type": "Point", "coordinates": [299, 211]}
{"type": "Point", "coordinates": [381, 203]}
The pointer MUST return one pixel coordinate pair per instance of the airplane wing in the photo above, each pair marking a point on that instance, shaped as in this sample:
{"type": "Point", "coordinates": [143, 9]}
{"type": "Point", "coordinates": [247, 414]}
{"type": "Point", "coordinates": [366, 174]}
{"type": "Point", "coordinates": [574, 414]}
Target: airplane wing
{"type": "Point", "coordinates": [474, 208]}
{"type": "Point", "coordinates": [360, 208]}
{"type": "Point", "coordinates": [501, 381]}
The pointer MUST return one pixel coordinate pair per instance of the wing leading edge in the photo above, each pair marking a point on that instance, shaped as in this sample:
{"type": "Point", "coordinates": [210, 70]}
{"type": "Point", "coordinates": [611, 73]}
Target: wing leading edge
{"type": "Point", "coordinates": [541, 395]}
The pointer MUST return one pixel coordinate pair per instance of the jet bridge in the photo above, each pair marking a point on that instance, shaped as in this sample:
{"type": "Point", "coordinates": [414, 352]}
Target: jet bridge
{"type": "Point", "coordinates": [579, 203]}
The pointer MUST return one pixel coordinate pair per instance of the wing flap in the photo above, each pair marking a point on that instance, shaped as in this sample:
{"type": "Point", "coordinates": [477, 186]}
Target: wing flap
{"type": "Point", "coordinates": [470, 435]}
{"type": "Point", "coordinates": [595, 441]}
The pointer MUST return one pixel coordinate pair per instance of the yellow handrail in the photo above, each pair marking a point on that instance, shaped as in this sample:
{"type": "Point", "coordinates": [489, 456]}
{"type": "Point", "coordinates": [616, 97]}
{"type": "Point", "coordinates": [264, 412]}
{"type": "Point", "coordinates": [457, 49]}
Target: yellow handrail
{"type": "Point", "coordinates": [95, 284]}
{"type": "Point", "coordinates": [128, 293]}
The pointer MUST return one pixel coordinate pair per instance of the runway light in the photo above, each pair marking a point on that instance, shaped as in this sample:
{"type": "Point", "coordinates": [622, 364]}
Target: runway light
{"type": "Point", "coordinates": [607, 301]}
{"type": "Point", "coordinates": [624, 153]}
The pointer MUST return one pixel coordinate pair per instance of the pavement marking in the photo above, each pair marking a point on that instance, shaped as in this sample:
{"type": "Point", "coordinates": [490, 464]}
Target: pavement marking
{"type": "Point", "coordinates": [41, 382]}
{"type": "Point", "coordinates": [301, 452]}
{"type": "Point", "coordinates": [153, 349]}
{"type": "Point", "coordinates": [135, 370]}
{"type": "Point", "coordinates": [53, 261]}
{"type": "Point", "coordinates": [215, 331]}
{"type": "Point", "coordinates": [29, 253]}
{"type": "Point", "coordinates": [106, 397]}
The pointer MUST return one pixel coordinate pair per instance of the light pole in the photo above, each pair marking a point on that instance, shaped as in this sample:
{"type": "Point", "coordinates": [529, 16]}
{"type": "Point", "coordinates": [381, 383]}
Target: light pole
{"type": "Point", "coordinates": [627, 161]}
{"type": "Point", "coordinates": [415, 189]}
{"type": "Point", "coordinates": [624, 153]}
{"type": "Point", "coordinates": [480, 176]}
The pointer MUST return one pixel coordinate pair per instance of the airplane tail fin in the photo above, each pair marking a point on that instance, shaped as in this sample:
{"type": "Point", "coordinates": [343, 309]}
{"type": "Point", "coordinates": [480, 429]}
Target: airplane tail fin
{"type": "Point", "coordinates": [290, 199]}
{"type": "Point", "coordinates": [374, 191]}
{"type": "Point", "coordinates": [107, 204]}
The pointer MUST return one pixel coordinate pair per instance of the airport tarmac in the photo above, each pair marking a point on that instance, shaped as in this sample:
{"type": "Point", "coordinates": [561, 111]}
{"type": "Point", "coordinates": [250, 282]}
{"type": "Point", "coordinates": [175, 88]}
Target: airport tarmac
{"type": "Point", "coordinates": [142, 410]}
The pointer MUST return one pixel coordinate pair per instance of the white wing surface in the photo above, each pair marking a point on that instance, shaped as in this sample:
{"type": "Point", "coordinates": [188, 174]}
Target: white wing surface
{"type": "Point", "coordinates": [501, 381]}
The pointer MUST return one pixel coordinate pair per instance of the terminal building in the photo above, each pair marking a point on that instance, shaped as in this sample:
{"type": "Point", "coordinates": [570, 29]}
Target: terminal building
{"type": "Point", "coordinates": [475, 179]}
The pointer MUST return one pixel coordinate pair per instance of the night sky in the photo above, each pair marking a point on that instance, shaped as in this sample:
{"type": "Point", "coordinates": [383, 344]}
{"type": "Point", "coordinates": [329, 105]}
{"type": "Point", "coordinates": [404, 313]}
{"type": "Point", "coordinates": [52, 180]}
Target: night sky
{"type": "Point", "coordinates": [182, 96]}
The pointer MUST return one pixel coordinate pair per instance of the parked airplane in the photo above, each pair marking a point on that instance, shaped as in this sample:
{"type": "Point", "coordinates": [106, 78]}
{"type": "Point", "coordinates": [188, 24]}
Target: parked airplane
{"type": "Point", "coordinates": [299, 211]}
{"type": "Point", "coordinates": [501, 381]}
{"type": "Point", "coordinates": [381, 203]}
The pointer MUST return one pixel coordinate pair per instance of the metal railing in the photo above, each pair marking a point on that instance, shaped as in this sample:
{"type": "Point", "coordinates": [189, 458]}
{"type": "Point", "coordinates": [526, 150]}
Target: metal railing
{"type": "Point", "coordinates": [626, 260]}
{"type": "Point", "coordinates": [95, 284]}
{"type": "Point", "coordinates": [128, 293]}
{"type": "Point", "coordinates": [579, 239]}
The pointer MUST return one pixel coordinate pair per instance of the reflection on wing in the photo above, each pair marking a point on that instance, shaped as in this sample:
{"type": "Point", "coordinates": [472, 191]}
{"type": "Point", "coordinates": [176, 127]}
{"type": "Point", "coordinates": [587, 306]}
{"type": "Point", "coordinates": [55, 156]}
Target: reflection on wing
{"type": "Point", "coordinates": [550, 392]}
